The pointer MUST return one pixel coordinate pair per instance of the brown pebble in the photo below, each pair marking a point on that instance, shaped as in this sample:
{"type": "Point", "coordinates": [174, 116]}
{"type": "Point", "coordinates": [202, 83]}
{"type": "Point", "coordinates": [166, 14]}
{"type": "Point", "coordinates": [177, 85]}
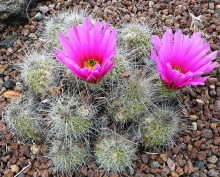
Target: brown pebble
{"type": "Point", "coordinates": [14, 146]}
{"type": "Point", "coordinates": [201, 155]}
{"type": "Point", "coordinates": [3, 50]}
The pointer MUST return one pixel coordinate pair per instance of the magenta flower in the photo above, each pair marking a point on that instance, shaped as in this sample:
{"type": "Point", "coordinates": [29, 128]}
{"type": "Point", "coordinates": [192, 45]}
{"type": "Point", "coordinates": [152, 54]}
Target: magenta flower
{"type": "Point", "coordinates": [89, 51]}
{"type": "Point", "coordinates": [181, 59]}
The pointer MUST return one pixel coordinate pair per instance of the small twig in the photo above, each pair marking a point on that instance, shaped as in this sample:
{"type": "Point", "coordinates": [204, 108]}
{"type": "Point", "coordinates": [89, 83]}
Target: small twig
{"type": "Point", "coordinates": [23, 169]}
{"type": "Point", "coordinates": [194, 20]}
{"type": "Point", "coordinates": [28, 8]}
{"type": "Point", "coordinates": [151, 153]}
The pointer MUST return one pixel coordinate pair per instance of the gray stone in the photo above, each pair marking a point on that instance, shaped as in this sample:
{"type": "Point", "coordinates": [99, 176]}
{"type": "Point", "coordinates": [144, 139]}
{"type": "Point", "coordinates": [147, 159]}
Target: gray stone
{"type": "Point", "coordinates": [212, 93]}
{"type": "Point", "coordinates": [201, 26]}
{"type": "Point", "coordinates": [194, 126]}
{"type": "Point", "coordinates": [9, 83]}
{"type": "Point", "coordinates": [1, 84]}
{"type": "Point", "coordinates": [155, 164]}
{"type": "Point", "coordinates": [194, 174]}
{"type": "Point", "coordinates": [211, 6]}
{"type": "Point", "coordinates": [207, 133]}
{"type": "Point", "coordinates": [9, 41]}
{"type": "Point", "coordinates": [217, 67]}
{"type": "Point", "coordinates": [213, 159]}
{"type": "Point", "coordinates": [171, 164]}
{"type": "Point", "coordinates": [38, 16]}
{"type": "Point", "coordinates": [212, 172]}
{"type": "Point", "coordinates": [217, 106]}
{"type": "Point", "coordinates": [44, 9]}
{"type": "Point", "coordinates": [200, 103]}
{"type": "Point", "coordinates": [200, 164]}
{"type": "Point", "coordinates": [13, 12]}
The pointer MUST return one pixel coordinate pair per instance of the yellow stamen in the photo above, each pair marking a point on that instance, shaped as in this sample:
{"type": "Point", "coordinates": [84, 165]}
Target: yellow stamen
{"type": "Point", "coordinates": [90, 64]}
{"type": "Point", "coordinates": [177, 68]}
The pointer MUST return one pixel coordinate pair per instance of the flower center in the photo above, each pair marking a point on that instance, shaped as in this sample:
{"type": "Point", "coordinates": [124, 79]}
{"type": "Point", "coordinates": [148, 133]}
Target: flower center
{"type": "Point", "coordinates": [177, 68]}
{"type": "Point", "coordinates": [90, 64]}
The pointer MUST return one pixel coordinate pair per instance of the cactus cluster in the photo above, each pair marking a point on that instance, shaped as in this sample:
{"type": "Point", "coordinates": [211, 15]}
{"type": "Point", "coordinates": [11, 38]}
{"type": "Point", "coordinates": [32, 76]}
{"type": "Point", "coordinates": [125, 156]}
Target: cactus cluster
{"type": "Point", "coordinates": [114, 153]}
{"type": "Point", "coordinates": [24, 120]}
{"type": "Point", "coordinates": [126, 98]}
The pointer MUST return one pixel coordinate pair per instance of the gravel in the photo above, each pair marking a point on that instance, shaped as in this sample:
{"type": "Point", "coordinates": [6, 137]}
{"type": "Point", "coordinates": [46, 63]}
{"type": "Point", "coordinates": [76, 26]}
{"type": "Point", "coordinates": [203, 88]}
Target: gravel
{"type": "Point", "coordinates": [195, 152]}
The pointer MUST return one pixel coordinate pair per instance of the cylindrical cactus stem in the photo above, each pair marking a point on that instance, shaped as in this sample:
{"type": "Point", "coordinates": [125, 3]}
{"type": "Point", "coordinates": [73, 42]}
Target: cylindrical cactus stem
{"type": "Point", "coordinates": [70, 117]}
{"type": "Point", "coordinates": [114, 153]}
{"type": "Point", "coordinates": [160, 126]}
{"type": "Point", "coordinates": [24, 120]}
{"type": "Point", "coordinates": [67, 156]}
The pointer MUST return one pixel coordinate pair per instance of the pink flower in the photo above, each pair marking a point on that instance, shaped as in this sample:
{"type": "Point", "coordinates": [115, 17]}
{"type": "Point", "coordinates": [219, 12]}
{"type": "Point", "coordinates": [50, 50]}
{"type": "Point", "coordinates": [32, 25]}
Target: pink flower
{"type": "Point", "coordinates": [181, 59]}
{"type": "Point", "coordinates": [89, 51]}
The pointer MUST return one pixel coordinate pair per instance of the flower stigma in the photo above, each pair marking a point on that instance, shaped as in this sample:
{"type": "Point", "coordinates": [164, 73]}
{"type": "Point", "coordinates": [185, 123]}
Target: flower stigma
{"type": "Point", "coordinates": [90, 64]}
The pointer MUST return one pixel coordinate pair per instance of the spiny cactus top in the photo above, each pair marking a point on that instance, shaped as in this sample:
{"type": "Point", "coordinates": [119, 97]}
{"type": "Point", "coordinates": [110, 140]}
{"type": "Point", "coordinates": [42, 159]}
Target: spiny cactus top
{"type": "Point", "coordinates": [182, 59]}
{"type": "Point", "coordinates": [90, 51]}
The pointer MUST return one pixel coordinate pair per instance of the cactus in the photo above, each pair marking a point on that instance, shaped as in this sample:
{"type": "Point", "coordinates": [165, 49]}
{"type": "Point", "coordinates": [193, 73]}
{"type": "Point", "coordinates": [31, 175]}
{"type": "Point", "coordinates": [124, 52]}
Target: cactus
{"type": "Point", "coordinates": [61, 23]}
{"type": "Point", "coordinates": [67, 156]}
{"type": "Point", "coordinates": [159, 127]}
{"type": "Point", "coordinates": [37, 71]}
{"type": "Point", "coordinates": [122, 63]}
{"type": "Point", "coordinates": [129, 98]}
{"type": "Point", "coordinates": [135, 36]}
{"type": "Point", "coordinates": [114, 153]}
{"type": "Point", "coordinates": [69, 117]}
{"type": "Point", "coordinates": [23, 120]}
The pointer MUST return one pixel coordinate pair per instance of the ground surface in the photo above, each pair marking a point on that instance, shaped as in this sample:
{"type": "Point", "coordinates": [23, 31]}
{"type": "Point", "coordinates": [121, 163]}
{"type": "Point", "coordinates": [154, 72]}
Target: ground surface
{"type": "Point", "coordinates": [196, 152]}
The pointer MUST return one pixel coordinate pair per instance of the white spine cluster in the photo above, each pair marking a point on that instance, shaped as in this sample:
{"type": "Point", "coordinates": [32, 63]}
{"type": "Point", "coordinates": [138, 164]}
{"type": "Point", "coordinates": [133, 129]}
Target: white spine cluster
{"type": "Point", "coordinates": [160, 126]}
{"type": "Point", "coordinates": [68, 156]}
{"type": "Point", "coordinates": [24, 120]}
{"type": "Point", "coordinates": [61, 23]}
{"type": "Point", "coordinates": [69, 117]}
{"type": "Point", "coordinates": [114, 153]}
{"type": "Point", "coordinates": [37, 71]}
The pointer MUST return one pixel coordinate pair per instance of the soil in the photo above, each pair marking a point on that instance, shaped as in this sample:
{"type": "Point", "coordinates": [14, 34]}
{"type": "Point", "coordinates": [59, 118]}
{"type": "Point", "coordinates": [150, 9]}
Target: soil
{"type": "Point", "coordinates": [196, 152]}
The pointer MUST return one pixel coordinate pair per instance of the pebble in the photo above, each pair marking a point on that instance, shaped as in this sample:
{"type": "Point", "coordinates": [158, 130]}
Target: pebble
{"type": "Point", "coordinates": [200, 164]}
{"type": "Point", "coordinates": [44, 9]}
{"type": "Point", "coordinates": [212, 93]}
{"type": "Point", "coordinates": [144, 158]}
{"type": "Point", "coordinates": [212, 172]}
{"type": "Point", "coordinates": [200, 103]}
{"type": "Point", "coordinates": [207, 133]}
{"type": "Point", "coordinates": [173, 174]}
{"type": "Point", "coordinates": [9, 83]}
{"type": "Point", "coordinates": [217, 106]}
{"type": "Point", "coordinates": [14, 168]}
{"type": "Point", "coordinates": [21, 175]}
{"type": "Point", "coordinates": [38, 16]}
{"type": "Point", "coordinates": [202, 155]}
{"type": "Point", "coordinates": [213, 159]}
{"type": "Point", "coordinates": [194, 174]}
{"type": "Point", "coordinates": [1, 84]}
{"type": "Point", "coordinates": [193, 117]}
{"type": "Point", "coordinates": [194, 126]}
{"type": "Point", "coordinates": [171, 164]}
{"type": "Point", "coordinates": [155, 164]}
{"type": "Point", "coordinates": [33, 35]}
{"type": "Point", "coordinates": [188, 168]}
{"type": "Point", "coordinates": [164, 157]}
